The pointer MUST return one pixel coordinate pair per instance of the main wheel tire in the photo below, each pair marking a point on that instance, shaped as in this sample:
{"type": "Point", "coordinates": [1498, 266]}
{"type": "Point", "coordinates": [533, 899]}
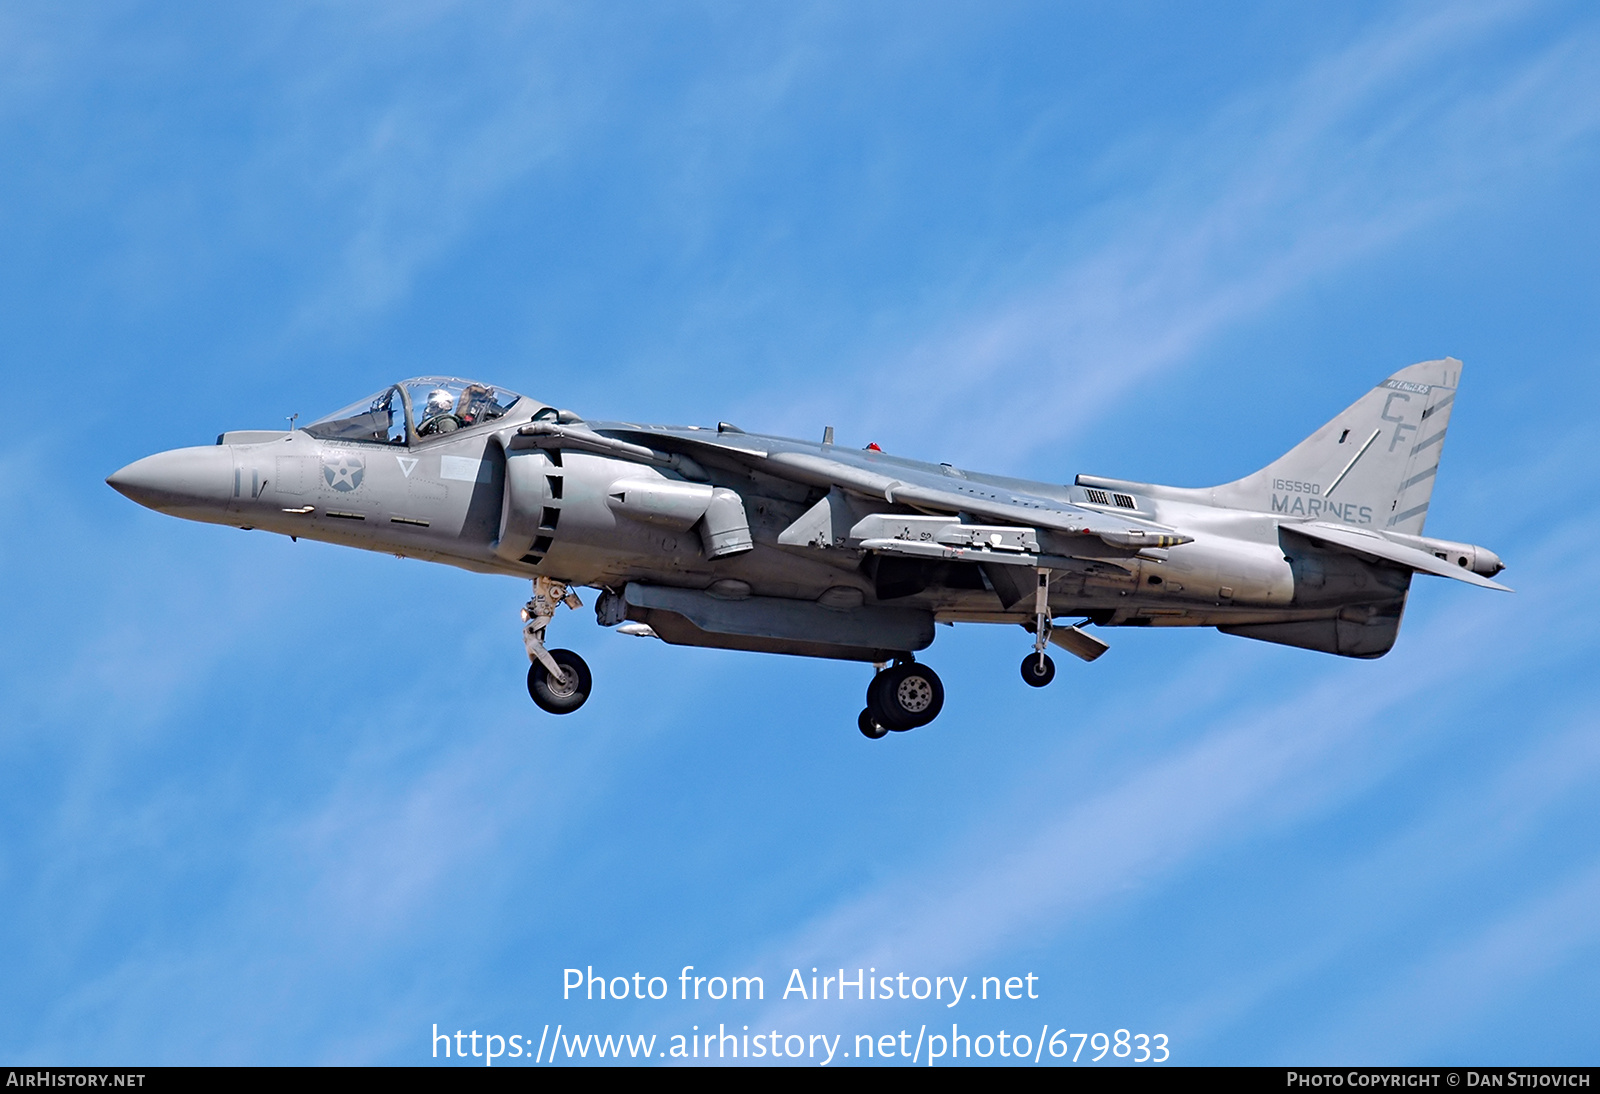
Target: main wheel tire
{"type": "Point", "coordinates": [565, 695]}
{"type": "Point", "coordinates": [1036, 675]}
{"type": "Point", "coordinates": [906, 696]}
{"type": "Point", "coordinates": [874, 708]}
{"type": "Point", "coordinates": [869, 728]}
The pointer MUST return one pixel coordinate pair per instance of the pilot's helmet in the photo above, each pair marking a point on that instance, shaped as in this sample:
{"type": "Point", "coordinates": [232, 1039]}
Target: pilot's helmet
{"type": "Point", "coordinates": [440, 401]}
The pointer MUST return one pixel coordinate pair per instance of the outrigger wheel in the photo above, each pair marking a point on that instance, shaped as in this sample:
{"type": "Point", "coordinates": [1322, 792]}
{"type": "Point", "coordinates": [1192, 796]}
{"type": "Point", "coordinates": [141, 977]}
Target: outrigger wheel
{"type": "Point", "coordinates": [1038, 670]}
{"type": "Point", "coordinates": [904, 697]}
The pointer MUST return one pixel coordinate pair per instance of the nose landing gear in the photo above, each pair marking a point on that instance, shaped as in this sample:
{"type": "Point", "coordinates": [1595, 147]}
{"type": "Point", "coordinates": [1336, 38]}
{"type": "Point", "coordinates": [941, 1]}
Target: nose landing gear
{"type": "Point", "coordinates": [561, 694]}
{"type": "Point", "coordinates": [558, 680]}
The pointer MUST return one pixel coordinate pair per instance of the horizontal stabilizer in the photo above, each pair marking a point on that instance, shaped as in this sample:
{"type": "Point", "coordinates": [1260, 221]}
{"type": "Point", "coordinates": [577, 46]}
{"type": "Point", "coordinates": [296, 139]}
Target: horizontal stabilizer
{"type": "Point", "coordinates": [1370, 543]}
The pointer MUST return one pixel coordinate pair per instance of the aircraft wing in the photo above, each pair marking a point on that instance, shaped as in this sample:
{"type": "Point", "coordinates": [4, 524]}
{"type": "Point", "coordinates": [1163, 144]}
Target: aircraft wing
{"type": "Point", "coordinates": [952, 496]}
{"type": "Point", "coordinates": [1370, 543]}
{"type": "Point", "coordinates": [926, 491]}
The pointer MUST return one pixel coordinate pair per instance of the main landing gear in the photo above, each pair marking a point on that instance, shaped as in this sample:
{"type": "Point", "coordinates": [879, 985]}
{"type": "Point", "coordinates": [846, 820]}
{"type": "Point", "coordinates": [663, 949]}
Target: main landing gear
{"type": "Point", "coordinates": [909, 695]}
{"type": "Point", "coordinates": [558, 680]}
{"type": "Point", "coordinates": [904, 696]}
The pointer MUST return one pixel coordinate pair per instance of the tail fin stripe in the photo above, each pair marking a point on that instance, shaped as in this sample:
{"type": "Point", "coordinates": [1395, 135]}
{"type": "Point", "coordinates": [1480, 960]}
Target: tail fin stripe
{"type": "Point", "coordinates": [1418, 477]}
{"type": "Point", "coordinates": [1440, 405]}
{"type": "Point", "coordinates": [1337, 479]}
{"type": "Point", "coordinates": [1435, 439]}
{"type": "Point", "coordinates": [1408, 514]}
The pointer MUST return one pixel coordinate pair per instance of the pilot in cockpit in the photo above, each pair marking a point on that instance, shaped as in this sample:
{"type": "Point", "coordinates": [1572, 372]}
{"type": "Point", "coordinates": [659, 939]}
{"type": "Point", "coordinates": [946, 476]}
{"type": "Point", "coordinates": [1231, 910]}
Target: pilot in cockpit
{"type": "Point", "coordinates": [438, 413]}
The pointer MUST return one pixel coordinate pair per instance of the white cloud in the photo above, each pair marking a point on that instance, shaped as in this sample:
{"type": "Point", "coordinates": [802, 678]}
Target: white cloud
{"type": "Point", "coordinates": [1455, 843]}
{"type": "Point", "coordinates": [1286, 183]}
{"type": "Point", "coordinates": [1428, 1003]}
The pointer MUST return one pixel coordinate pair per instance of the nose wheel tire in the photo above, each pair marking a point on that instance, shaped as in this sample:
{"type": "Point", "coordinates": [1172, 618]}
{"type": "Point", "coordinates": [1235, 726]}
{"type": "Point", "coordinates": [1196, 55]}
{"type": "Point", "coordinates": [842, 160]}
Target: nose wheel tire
{"type": "Point", "coordinates": [905, 697]}
{"type": "Point", "coordinates": [1038, 670]}
{"type": "Point", "coordinates": [870, 729]}
{"type": "Point", "coordinates": [564, 695]}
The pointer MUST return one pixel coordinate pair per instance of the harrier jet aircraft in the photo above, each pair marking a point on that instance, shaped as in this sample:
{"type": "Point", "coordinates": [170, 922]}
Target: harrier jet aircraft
{"type": "Point", "coordinates": [718, 537]}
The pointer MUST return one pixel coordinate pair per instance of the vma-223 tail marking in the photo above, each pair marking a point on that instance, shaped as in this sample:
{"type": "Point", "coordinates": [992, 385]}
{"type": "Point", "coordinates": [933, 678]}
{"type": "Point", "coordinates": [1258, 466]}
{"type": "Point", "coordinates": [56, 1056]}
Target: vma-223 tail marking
{"type": "Point", "coordinates": [717, 537]}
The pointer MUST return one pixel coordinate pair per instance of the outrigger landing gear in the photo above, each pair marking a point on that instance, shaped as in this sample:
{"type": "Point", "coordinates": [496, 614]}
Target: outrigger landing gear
{"type": "Point", "coordinates": [905, 696]}
{"type": "Point", "coordinates": [558, 680]}
{"type": "Point", "coordinates": [1037, 668]}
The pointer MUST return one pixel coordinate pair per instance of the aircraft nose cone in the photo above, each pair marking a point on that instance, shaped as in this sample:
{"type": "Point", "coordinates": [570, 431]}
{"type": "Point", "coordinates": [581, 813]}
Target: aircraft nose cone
{"type": "Point", "coordinates": [179, 480]}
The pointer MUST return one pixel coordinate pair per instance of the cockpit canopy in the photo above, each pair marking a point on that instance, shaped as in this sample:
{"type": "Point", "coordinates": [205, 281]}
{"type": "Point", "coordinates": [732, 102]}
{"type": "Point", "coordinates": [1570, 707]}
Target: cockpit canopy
{"type": "Point", "coordinates": [412, 410]}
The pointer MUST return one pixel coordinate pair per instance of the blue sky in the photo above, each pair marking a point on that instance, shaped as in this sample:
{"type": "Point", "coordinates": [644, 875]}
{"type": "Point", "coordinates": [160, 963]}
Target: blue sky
{"type": "Point", "coordinates": [248, 816]}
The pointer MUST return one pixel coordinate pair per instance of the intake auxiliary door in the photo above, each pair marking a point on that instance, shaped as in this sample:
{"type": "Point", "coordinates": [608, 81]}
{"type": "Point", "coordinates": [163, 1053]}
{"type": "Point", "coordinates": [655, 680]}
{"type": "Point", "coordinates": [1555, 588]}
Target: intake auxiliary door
{"type": "Point", "coordinates": [531, 508]}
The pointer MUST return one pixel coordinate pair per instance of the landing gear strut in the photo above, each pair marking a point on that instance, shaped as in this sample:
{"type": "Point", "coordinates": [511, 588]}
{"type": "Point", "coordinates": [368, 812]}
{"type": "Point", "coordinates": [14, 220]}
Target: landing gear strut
{"type": "Point", "coordinates": [1037, 668]}
{"type": "Point", "coordinates": [903, 697]}
{"type": "Point", "coordinates": [558, 680]}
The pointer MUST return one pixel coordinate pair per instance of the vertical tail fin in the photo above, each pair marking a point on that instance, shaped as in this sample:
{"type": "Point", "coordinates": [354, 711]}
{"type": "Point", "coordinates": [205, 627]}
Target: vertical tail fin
{"type": "Point", "coordinates": [1372, 465]}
